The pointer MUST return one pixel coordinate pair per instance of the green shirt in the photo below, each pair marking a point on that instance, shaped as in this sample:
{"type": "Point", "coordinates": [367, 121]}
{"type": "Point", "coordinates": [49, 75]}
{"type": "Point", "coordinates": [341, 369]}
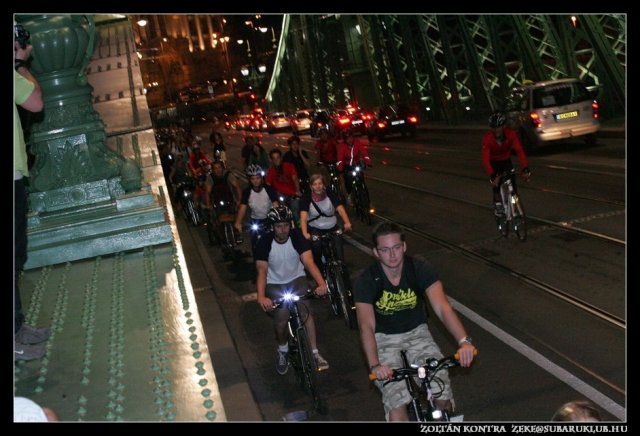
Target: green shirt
{"type": "Point", "coordinates": [23, 89]}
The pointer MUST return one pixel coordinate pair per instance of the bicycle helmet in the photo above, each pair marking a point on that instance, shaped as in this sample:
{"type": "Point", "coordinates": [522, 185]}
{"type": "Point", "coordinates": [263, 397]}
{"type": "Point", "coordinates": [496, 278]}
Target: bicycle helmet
{"type": "Point", "coordinates": [280, 214]}
{"type": "Point", "coordinates": [497, 119]}
{"type": "Point", "coordinates": [253, 170]}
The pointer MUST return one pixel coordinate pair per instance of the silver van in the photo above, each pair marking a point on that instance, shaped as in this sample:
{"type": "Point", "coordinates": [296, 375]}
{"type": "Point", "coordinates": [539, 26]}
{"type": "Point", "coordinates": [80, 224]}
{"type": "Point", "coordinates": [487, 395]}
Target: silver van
{"type": "Point", "coordinates": [553, 110]}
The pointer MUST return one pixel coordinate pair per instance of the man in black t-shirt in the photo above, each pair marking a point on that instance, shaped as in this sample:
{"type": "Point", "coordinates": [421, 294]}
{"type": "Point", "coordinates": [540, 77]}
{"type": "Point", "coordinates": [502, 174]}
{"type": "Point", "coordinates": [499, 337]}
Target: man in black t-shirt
{"type": "Point", "coordinates": [390, 304]}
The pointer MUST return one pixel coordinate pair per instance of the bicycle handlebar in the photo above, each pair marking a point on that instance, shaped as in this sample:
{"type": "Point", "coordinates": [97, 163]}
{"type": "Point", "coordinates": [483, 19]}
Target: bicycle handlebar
{"type": "Point", "coordinates": [290, 297]}
{"type": "Point", "coordinates": [431, 366]}
{"type": "Point", "coordinates": [337, 231]}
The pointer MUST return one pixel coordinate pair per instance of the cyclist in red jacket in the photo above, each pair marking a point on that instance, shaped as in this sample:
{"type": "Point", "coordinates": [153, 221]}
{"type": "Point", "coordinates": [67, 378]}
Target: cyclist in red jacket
{"type": "Point", "coordinates": [351, 152]}
{"type": "Point", "coordinates": [497, 146]}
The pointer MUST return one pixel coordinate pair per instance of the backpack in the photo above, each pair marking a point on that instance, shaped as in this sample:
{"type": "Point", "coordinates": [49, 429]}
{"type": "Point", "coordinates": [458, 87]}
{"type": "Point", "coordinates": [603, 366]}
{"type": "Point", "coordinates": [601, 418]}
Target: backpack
{"type": "Point", "coordinates": [378, 277]}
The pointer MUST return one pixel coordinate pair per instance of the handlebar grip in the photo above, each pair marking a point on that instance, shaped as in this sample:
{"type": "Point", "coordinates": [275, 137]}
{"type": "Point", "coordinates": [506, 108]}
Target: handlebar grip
{"type": "Point", "coordinates": [457, 356]}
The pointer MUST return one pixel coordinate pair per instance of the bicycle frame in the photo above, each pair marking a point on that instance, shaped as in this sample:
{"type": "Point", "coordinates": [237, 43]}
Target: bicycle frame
{"type": "Point", "coordinates": [512, 208]}
{"type": "Point", "coordinates": [300, 352]}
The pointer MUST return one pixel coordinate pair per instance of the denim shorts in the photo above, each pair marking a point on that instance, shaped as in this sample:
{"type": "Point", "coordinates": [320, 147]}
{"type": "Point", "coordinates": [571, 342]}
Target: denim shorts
{"type": "Point", "coordinates": [419, 345]}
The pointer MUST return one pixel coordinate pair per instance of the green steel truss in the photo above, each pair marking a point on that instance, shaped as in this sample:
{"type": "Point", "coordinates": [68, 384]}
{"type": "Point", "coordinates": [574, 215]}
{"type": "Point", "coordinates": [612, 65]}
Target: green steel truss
{"type": "Point", "coordinates": [447, 67]}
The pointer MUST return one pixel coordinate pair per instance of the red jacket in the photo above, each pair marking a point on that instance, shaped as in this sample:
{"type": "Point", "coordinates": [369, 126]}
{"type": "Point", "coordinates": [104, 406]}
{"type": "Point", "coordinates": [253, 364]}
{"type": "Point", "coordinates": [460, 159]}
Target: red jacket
{"type": "Point", "coordinates": [327, 150]}
{"type": "Point", "coordinates": [491, 150]}
{"type": "Point", "coordinates": [350, 156]}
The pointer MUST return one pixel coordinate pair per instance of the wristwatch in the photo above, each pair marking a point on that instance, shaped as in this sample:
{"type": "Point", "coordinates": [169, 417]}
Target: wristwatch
{"type": "Point", "coordinates": [466, 339]}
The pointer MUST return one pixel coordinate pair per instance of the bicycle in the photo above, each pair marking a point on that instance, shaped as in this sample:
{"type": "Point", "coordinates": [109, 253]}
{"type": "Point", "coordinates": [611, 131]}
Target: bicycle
{"type": "Point", "coordinates": [512, 208]}
{"type": "Point", "coordinates": [422, 406]}
{"type": "Point", "coordinates": [220, 228]}
{"type": "Point", "coordinates": [334, 180]}
{"type": "Point", "coordinates": [337, 278]}
{"type": "Point", "coordinates": [257, 228]}
{"type": "Point", "coordinates": [360, 193]}
{"type": "Point", "coordinates": [184, 192]}
{"type": "Point", "coordinates": [300, 353]}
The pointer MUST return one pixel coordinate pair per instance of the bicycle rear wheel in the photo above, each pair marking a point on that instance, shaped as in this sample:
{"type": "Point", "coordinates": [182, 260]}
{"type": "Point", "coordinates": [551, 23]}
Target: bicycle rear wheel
{"type": "Point", "coordinates": [519, 220]}
{"type": "Point", "coordinates": [229, 239]}
{"type": "Point", "coordinates": [307, 373]}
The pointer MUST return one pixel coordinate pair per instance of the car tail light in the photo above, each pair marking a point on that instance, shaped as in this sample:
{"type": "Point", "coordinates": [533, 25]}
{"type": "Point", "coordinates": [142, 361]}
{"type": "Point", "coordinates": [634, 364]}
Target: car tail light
{"type": "Point", "coordinates": [535, 119]}
{"type": "Point", "coordinates": [382, 125]}
{"type": "Point", "coordinates": [595, 107]}
{"type": "Point", "coordinates": [413, 119]}
{"type": "Point", "coordinates": [344, 121]}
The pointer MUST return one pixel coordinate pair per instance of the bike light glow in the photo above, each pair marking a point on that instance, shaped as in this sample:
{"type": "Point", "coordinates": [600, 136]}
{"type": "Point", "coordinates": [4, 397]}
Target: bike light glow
{"type": "Point", "coordinates": [421, 372]}
{"type": "Point", "coordinates": [281, 198]}
{"type": "Point", "coordinates": [288, 296]}
{"type": "Point", "coordinates": [437, 414]}
{"type": "Point", "coordinates": [221, 203]}
{"type": "Point", "coordinates": [254, 227]}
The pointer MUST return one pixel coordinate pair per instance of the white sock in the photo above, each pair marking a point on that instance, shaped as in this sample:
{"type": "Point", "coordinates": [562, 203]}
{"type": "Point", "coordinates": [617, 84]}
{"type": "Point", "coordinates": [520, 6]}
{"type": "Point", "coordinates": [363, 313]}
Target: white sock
{"type": "Point", "coordinates": [315, 351]}
{"type": "Point", "coordinates": [283, 348]}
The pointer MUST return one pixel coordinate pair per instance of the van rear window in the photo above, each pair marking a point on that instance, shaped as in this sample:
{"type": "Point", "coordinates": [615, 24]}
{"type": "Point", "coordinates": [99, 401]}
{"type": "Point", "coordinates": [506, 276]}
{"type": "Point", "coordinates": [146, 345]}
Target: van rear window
{"type": "Point", "coordinates": [560, 95]}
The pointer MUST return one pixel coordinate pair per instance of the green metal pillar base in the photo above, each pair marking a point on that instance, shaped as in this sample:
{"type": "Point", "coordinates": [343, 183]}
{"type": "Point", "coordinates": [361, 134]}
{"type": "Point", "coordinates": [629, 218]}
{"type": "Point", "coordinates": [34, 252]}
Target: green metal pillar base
{"type": "Point", "coordinates": [102, 226]}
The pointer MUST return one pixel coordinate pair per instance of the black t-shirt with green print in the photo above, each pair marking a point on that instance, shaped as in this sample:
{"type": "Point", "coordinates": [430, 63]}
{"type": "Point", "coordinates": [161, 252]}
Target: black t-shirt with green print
{"type": "Point", "coordinates": [397, 309]}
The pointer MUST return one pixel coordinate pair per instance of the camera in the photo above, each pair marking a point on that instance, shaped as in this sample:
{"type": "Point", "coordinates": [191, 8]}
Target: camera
{"type": "Point", "coordinates": [22, 35]}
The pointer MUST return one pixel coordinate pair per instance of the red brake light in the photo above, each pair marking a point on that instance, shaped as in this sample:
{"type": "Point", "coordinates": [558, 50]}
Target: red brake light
{"type": "Point", "coordinates": [595, 106]}
{"type": "Point", "coordinates": [382, 125]}
{"type": "Point", "coordinates": [413, 119]}
{"type": "Point", "coordinates": [344, 120]}
{"type": "Point", "coordinates": [535, 118]}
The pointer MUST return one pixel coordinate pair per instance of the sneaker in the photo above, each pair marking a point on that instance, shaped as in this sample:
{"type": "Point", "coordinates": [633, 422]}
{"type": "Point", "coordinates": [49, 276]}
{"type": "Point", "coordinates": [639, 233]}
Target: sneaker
{"type": "Point", "coordinates": [32, 335]}
{"type": "Point", "coordinates": [320, 362]}
{"type": "Point", "coordinates": [29, 352]}
{"type": "Point", "coordinates": [282, 362]}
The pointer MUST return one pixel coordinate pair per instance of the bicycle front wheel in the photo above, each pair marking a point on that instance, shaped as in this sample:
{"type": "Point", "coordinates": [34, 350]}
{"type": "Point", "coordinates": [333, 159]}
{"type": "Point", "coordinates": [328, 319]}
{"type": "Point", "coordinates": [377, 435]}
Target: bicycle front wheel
{"type": "Point", "coordinates": [333, 292]}
{"type": "Point", "coordinates": [365, 204]}
{"type": "Point", "coordinates": [519, 219]}
{"type": "Point", "coordinates": [343, 288]}
{"type": "Point", "coordinates": [308, 375]}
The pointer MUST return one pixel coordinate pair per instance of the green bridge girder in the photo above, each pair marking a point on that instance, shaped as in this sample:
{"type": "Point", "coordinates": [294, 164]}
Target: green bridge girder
{"type": "Point", "coordinates": [453, 68]}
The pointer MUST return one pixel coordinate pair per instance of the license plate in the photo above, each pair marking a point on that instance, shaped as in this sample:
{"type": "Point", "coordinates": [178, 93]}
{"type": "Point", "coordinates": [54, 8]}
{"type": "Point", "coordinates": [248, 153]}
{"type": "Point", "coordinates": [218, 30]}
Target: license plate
{"type": "Point", "coordinates": [356, 122]}
{"type": "Point", "coordinates": [395, 123]}
{"type": "Point", "coordinates": [565, 115]}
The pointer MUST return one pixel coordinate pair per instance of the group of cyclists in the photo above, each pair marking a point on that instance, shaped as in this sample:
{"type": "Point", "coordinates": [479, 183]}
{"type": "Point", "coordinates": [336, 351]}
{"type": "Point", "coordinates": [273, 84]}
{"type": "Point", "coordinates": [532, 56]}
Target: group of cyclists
{"type": "Point", "coordinates": [288, 205]}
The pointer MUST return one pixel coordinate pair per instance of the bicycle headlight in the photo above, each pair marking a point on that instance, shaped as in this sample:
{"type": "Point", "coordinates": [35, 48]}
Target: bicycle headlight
{"type": "Point", "coordinates": [436, 414]}
{"type": "Point", "coordinates": [254, 227]}
{"type": "Point", "coordinates": [288, 296]}
{"type": "Point", "coordinates": [422, 373]}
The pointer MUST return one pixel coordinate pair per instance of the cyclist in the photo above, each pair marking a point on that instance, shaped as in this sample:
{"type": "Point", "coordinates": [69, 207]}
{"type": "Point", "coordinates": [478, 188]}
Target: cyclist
{"type": "Point", "coordinates": [196, 156]}
{"type": "Point", "coordinates": [327, 153]}
{"type": "Point", "coordinates": [390, 298]}
{"type": "Point", "coordinates": [300, 159]}
{"type": "Point", "coordinates": [281, 258]}
{"type": "Point", "coordinates": [351, 152]}
{"type": "Point", "coordinates": [497, 146]}
{"type": "Point", "coordinates": [283, 177]}
{"type": "Point", "coordinates": [318, 216]}
{"type": "Point", "coordinates": [254, 153]}
{"type": "Point", "coordinates": [223, 188]}
{"type": "Point", "coordinates": [219, 149]}
{"type": "Point", "coordinates": [260, 198]}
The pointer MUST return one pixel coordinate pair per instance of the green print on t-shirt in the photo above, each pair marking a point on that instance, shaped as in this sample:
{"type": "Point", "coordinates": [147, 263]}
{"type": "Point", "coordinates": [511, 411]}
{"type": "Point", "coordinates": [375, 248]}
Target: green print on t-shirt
{"type": "Point", "coordinates": [392, 302]}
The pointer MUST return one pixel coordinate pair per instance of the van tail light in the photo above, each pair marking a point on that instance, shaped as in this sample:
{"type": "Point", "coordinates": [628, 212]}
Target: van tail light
{"type": "Point", "coordinates": [595, 107]}
{"type": "Point", "coordinates": [535, 119]}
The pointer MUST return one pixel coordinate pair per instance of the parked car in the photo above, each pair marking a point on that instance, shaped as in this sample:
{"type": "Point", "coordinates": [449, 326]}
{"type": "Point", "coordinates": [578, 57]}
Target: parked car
{"type": "Point", "coordinates": [278, 121]}
{"type": "Point", "coordinates": [301, 121]}
{"type": "Point", "coordinates": [340, 120]}
{"type": "Point", "coordinates": [320, 121]}
{"type": "Point", "coordinates": [360, 122]}
{"type": "Point", "coordinates": [553, 110]}
{"type": "Point", "coordinates": [393, 119]}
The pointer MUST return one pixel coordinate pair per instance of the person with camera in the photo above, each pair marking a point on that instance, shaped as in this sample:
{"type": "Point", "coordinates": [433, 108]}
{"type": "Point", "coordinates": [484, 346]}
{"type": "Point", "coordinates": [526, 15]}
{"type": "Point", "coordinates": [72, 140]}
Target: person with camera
{"type": "Point", "coordinates": [28, 95]}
